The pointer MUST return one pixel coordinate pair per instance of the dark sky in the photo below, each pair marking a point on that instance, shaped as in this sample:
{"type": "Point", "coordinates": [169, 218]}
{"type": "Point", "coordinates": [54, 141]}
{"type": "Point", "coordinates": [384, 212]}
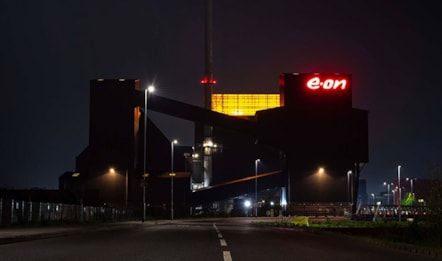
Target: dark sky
{"type": "Point", "coordinates": [49, 50]}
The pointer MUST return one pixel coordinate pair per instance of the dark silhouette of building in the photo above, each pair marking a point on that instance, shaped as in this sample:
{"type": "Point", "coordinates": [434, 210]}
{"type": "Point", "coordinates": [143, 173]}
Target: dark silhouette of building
{"type": "Point", "coordinates": [109, 170]}
{"type": "Point", "coordinates": [306, 147]}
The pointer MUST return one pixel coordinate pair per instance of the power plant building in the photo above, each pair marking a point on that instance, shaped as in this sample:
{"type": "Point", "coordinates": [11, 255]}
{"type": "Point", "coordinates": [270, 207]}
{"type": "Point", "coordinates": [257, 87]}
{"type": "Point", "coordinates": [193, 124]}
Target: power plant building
{"type": "Point", "coordinates": [305, 144]}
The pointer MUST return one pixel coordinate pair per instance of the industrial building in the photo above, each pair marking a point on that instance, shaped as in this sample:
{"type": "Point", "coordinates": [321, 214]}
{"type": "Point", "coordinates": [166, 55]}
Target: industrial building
{"type": "Point", "coordinates": [303, 145]}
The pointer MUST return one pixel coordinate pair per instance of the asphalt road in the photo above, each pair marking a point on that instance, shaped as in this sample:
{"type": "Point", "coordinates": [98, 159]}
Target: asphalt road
{"type": "Point", "coordinates": [213, 239]}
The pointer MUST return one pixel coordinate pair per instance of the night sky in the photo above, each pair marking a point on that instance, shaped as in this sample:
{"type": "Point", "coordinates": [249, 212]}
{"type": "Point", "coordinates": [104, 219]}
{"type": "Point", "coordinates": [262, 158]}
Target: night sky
{"type": "Point", "coordinates": [50, 50]}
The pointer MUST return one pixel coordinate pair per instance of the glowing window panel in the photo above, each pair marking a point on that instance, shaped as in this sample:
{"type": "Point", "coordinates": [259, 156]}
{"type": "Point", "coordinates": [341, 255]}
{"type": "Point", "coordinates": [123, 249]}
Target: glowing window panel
{"type": "Point", "coordinates": [244, 104]}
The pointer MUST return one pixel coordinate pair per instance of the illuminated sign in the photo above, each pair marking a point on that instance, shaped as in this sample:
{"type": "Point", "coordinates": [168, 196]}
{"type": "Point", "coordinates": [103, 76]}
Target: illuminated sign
{"type": "Point", "coordinates": [316, 91]}
{"type": "Point", "coordinates": [326, 84]}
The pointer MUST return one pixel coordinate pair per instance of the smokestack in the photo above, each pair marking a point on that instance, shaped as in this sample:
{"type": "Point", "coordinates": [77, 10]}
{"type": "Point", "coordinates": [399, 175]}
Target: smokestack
{"type": "Point", "coordinates": [208, 80]}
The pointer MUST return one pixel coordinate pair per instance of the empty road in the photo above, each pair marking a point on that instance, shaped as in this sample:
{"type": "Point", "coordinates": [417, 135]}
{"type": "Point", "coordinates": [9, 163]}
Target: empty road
{"type": "Point", "coordinates": [209, 239]}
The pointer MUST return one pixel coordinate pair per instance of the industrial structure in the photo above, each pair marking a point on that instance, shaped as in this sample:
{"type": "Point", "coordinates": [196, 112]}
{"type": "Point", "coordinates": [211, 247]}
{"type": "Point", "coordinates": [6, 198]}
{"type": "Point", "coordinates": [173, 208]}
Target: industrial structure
{"type": "Point", "coordinates": [304, 144]}
{"type": "Point", "coordinates": [310, 147]}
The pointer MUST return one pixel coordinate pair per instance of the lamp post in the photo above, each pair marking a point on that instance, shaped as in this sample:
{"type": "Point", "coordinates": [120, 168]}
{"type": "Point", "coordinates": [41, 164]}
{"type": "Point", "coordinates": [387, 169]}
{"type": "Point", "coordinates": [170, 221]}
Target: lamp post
{"type": "Point", "coordinates": [112, 170]}
{"type": "Point", "coordinates": [399, 187]}
{"type": "Point", "coordinates": [125, 187]}
{"type": "Point", "coordinates": [256, 186]}
{"type": "Point", "coordinates": [149, 89]}
{"type": "Point", "coordinates": [388, 192]}
{"type": "Point", "coordinates": [321, 178]}
{"type": "Point", "coordinates": [171, 174]}
{"type": "Point", "coordinates": [393, 192]}
{"type": "Point", "coordinates": [349, 187]}
{"type": "Point", "coordinates": [411, 184]}
{"type": "Point", "coordinates": [372, 194]}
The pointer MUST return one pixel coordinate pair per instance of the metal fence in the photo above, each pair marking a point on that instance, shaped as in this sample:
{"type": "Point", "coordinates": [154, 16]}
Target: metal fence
{"type": "Point", "coordinates": [29, 212]}
{"type": "Point", "coordinates": [321, 209]}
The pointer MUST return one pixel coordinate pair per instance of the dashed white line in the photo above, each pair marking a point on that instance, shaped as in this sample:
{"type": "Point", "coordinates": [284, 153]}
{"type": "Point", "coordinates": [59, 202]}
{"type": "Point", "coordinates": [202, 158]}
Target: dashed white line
{"type": "Point", "coordinates": [223, 242]}
{"type": "Point", "coordinates": [227, 256]}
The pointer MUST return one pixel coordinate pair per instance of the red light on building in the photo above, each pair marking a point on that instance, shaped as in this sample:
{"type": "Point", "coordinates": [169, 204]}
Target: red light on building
{"type": "Point", "coordinates": [316, 91]}
{"type": "Point", "coordinates": [206, 80]}
{"type": "Point", "coordinates": [316, 83]}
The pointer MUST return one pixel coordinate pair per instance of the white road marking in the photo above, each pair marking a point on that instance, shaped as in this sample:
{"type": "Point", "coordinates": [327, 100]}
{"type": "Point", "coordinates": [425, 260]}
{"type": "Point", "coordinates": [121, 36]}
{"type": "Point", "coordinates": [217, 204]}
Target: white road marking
{"type": "Point", "coordinates": [227, 256]}
{"type": "Point", "coordinates": [223, 242]}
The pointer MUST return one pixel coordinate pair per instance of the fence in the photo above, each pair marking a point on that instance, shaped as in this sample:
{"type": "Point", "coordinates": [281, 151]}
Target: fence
{"type": "Point", "coordinates": [28, 212]}
{"type": "Point", "coordinates": [321, 209]}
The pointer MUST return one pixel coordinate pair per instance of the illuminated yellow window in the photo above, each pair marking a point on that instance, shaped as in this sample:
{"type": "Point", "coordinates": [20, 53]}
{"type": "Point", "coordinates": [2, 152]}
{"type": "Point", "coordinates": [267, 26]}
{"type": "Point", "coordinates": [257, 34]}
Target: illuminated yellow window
{"type": "Point", "coordinates": [244, 104]}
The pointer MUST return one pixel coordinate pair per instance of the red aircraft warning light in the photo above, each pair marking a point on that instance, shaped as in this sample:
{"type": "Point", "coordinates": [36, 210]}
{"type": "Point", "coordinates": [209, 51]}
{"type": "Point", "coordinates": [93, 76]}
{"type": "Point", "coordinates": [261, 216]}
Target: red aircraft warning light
{"type": "Point", "coordinates": [207, 80]}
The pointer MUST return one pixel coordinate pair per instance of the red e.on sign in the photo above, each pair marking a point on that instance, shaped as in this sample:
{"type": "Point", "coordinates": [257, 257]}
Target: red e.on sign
{"type": "Point", "coordinates": [326, 83]}
{"type": "Point", "coordinates": [316, 91]}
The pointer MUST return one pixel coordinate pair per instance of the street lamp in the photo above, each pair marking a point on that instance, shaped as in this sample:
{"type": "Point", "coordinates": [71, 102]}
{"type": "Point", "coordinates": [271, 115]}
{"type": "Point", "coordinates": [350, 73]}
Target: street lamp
{"type": "Point", "coordinates": [349, 187]}
{"type": "Point", "coordinates": [411, 184]}
{"type": "Point", "coordinates": [321, 175]}
{"type": "Point", "coordinates": [399, 187]}
{"type": "Point", "coordinates": [112, 170]}
{"type": "Point", "coordinates": [388, 191]}
{"type": "Point", "coordinates": [256, 186]}
{"type": "Point", "coordinates": [393, 192]}
{"type": "Point", "coordinates": [372, 194]}
{"type": "Point", "coordinates": [149, 89]}
{"type": "Point", "coordinates": [171, 174]}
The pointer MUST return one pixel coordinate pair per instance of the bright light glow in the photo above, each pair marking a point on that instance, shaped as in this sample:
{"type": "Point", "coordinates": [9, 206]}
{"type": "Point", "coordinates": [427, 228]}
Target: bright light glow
{"type": "Point", "coordinates": [75, 174]}
{"type": "Point", "coordinates": [112, 170]}
{"type": "Point", "coordinates": [150, 89]}
{"type": "Point", "coordinates": [247, 203]}
{"type": "Point", "coordinates": [321, 170]}
{"type": "Point", "coordinates": [272, 203]}
{"type": "Point", "coordinates": [208, 143]}
{"type": "Point", "coordinates": [195, 156]}
{"type": "Point", "coordinates": [174, 141]}
{"type": "Point", "coordinates": [316, 83]}
{"type": "Point", "coordinates": [244, 104]}
{"type": "Point", "coordinates": [172, 174]}
{"type": "Point", "coordinates": [284, 203]}
{"type": "Point", "coordinates": [237, 113]}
